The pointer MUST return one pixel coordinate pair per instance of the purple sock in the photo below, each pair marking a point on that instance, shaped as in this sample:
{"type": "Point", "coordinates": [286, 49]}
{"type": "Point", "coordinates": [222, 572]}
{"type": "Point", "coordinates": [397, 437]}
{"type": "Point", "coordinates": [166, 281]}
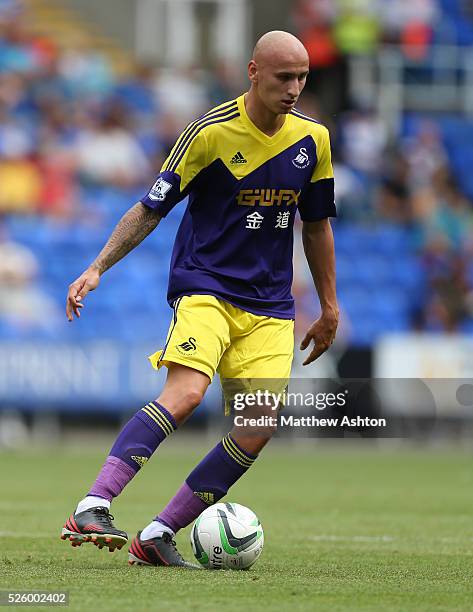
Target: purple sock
{"type": "Point", "coordinates": [207, 483]}
{"type": "Point", "coordinates": [112, 478]}
{"type": "Point", "coordinates": [135, 444]}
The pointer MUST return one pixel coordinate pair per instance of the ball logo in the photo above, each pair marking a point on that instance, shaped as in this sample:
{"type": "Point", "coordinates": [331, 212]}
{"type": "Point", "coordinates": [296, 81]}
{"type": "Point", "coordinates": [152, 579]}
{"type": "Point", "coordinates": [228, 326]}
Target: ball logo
{"type": "Point", "coordinates": [159, 190]}
{"type": "Point", "coordinates": [302, 159]}
{"type": "Point", "coordinates": [217, 559]}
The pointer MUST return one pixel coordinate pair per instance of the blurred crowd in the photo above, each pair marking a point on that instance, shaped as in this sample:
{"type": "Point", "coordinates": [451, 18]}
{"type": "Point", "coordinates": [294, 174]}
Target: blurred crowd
{"type": "Point", "coordinates": [65, 119]}
{"type": "Point", "coordinates": [68, 125]}
{"type": "Point", "coordinates": [408, 180]}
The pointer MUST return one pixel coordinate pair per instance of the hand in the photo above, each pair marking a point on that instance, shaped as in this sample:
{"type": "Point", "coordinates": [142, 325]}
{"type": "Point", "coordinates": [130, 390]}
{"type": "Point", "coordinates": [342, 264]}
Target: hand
{"type": "Point", "coordinates": [322, 332]}
{"type": "Point", "coordinates": [87, 281]}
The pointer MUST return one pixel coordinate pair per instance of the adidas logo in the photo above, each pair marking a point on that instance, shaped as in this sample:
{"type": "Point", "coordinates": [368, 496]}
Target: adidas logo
{"type": "Point", "coordinates": [238, 159]}
{"type": "Point", "coordinates": [208, 498]}
{"type": "Point", "coordinates": [139, 460]}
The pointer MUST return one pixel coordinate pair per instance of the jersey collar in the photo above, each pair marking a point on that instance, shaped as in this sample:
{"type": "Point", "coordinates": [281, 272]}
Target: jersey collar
{"type": "Point", "coordinates": [256, 132]}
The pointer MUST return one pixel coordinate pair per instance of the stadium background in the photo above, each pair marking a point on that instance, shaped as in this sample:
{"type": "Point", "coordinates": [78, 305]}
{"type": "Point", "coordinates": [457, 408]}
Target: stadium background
{"type": "Point", "coordinates": [92, 95]}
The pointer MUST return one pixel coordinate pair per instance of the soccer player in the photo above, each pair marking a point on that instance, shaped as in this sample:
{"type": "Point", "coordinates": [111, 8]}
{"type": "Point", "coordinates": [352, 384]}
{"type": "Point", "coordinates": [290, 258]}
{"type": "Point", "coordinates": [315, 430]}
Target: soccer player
{"type": "Point", "coordinates": [247, 166]}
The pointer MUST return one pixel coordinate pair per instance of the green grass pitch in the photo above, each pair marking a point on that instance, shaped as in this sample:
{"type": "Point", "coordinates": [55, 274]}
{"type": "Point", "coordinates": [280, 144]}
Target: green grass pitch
{"type": "Point", "coordinates": [346, 528]}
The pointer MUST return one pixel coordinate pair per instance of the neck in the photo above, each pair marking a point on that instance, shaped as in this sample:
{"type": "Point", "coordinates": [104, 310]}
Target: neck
{"type": "Point", "coordinates": [265, 120]}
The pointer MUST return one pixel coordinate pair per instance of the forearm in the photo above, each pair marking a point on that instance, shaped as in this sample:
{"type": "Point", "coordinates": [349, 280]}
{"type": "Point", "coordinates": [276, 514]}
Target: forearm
{"type": "Point", "coordinates": [317, 238]}
{"type": "Point", "coordinates": [137, 223]}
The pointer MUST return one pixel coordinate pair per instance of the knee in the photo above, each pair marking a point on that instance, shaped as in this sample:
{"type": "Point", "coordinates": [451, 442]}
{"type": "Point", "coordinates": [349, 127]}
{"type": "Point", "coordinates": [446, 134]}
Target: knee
{"type": "Point", "coordinates": [181, 404]}
{"type": "Point", "coordinates": [253, 443]}
{"type": "Point", "coordinates": [261, 440]}
{"type": "Point", "coordinates": [183, 391]}
{"type": "Point", "coordinates": [191, 398]}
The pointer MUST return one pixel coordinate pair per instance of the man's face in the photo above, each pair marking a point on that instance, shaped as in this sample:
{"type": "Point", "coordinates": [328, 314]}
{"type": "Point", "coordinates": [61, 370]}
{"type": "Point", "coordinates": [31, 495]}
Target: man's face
{"type": "Point", "coordinates": [279, 85]}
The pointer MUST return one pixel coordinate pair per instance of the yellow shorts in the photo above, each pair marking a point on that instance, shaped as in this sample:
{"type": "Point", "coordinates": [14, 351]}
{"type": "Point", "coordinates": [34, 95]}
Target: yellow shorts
{"type": "Point", "coordinates": [210, 335]}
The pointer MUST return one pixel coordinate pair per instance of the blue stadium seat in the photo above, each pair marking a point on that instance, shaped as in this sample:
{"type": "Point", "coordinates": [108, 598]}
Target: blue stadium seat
{"type": "Point", "coordinates": [467, 327]}
{"type": "Point", "coordinates": [364, 331]}
{"type": "Point", "coordinates": [389, 303]}
{"type": "Point", "coordinates": [354, 299]}
{"type": "Point", "coordinates": [371, 270]}
{"type": "Point", "coordinates": [407, 272]}
{"type": "Point", "coordinates": [345, 269]}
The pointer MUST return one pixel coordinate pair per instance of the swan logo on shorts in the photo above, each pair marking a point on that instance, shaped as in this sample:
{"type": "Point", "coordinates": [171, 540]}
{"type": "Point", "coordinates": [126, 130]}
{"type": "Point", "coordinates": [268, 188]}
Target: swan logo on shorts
{"type": "Point", "coordinates": [302, 159]}
{"type": "Point", "coordinates": [188, 347]}
{"type": "Point", "coordinates": [159, 190]}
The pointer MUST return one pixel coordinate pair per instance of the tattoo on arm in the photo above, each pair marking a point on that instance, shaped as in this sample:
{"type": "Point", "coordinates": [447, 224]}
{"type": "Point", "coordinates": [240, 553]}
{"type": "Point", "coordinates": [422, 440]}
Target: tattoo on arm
{"type": "Point", "coordinates": [133, 227]}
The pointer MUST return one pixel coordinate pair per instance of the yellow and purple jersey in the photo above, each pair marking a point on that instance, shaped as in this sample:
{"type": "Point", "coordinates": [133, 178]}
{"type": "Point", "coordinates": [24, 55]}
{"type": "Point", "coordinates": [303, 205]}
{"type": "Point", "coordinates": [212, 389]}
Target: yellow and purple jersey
{"type": "Point", "coordinates": [235, 240]}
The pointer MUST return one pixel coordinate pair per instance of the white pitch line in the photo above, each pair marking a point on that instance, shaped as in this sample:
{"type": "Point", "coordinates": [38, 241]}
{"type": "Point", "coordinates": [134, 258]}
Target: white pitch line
{"type": "Point", "coordinates": [14, 505]}
{"type": "Point", "coordinates": [357, 538]}
{"type": "Point", "coordinates": [25, 534]}
{"type": "Point", "coordinates": [455, 540]}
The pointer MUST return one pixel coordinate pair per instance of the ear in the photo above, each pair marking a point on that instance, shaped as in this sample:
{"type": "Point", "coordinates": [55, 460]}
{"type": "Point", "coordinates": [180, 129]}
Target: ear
{"type": "Point", "coordinates": [253, 71]}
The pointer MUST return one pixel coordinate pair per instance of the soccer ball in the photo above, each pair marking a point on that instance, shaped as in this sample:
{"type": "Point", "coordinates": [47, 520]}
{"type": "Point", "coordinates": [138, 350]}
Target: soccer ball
{"type": "Point", "coordinates": [227, 536]}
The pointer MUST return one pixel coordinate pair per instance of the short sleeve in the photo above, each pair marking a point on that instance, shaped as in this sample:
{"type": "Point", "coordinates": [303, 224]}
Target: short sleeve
{"type": "Point", "coordinates": [317, 200]}
{"type": "Point", "coordinates": [186, 161]}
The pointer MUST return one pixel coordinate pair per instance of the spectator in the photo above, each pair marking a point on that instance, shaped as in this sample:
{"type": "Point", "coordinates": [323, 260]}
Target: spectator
{"type": "Point", "coordinates": [393, 198]}
{"type": "Point", "coordinates": [398, 16]}
{"type": "Point", "coordinates": [364, 138]}
{"type": "Point", "coordinates": [351, 195]}
{"type": "Point", "coordinates": [446, 257]}
{"type": "Point", "coordinates": [425, 155]}
{"type": "Point", "coordinates": [447, 306]}
{"type": "Point", "coordinates": [49, 87]}
{"type": "Point", "coordinates": [85, 70]}
{"type": "Point", "coordinates": [182, 93]}
{"type": "Point", "coordinates": [357, 29]}
{"type": "Point", "coordinates": [20, 186]}
{"type": "Point", "coordinates": [20, 181]}
{"type": "Point", "coordinates": [137, 93]}
{"type": "Point", "coordinates": [9, 9]}
{"type": "Point", "coordinates": [451, 224]}
{"type": "Point", "coordinates": [224, 82]}
{"type": "Point", "coordinates": [314, 21]}
{"type": "Point", "coordinates": [57, 161]}
{"type": "Point", "coordinates": [108, 153]}
{"type": "Point", "coordinates": [24, 307]}
{"type": "Point", "coordinates": [14, 94]}
{"type": "Point", "coordinates": [17, 52]}
{"type": "Point", "coordinates": [467, 9]}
